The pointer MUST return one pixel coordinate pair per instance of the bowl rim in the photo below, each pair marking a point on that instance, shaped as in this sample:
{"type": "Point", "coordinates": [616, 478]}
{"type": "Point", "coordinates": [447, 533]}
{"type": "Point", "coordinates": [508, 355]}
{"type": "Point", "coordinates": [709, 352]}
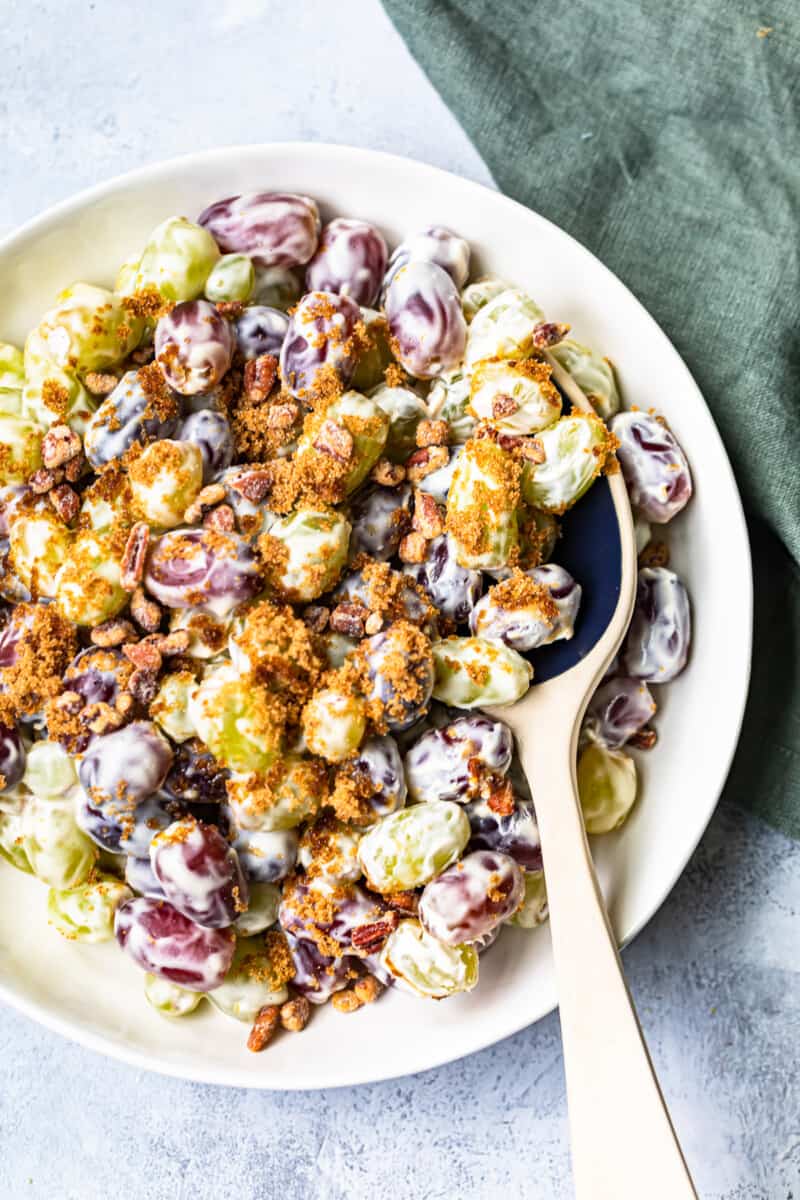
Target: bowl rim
{"type": "Point", "coordinates": [150, 172]}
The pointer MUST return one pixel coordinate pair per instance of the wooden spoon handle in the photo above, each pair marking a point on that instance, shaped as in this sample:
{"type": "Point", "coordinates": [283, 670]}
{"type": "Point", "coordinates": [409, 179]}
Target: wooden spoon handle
{"type": "Point", "coordinates": [623, 1143]}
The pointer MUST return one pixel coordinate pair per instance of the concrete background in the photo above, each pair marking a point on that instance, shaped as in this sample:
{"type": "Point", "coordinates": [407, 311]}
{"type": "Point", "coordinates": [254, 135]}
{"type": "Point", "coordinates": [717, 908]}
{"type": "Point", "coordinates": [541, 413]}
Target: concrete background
{"type": "Point", "coordinates": [90, 90]}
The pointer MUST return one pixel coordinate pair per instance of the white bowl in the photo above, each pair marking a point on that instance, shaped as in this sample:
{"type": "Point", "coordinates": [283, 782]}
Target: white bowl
{"type": "Point", "coordinates": [94, 994]}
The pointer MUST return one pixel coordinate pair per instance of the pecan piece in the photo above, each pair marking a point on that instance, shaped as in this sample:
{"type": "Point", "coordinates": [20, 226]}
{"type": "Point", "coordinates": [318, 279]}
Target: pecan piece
{"type": "Point", "coordinates": [100, 383]}
{"type": "Point", "coordinates": [423, 462]}
{"type": "Point", "coordinates": [501, 797]}
{"type": "Point", "coordinates": [295, 1014]}
{"type": "Point", "coordinates": [644, 739]}
{"type": "Point", "coordinates": [349, 618]}
{"type": "Point", "coordinates": [264, 1027]}
{"type": "Point", "coordinates": [134, 556]}
{"type": "Point", "coordinates": [144, 655]}
{"type": "Point", "coordinates": [282, 416]}
{"type": "Point", "coordinates": [371, 938]}
{"type": "Point", "coordinates": [65, 501]}
{"type": "Point", "coordinates": [503, 406]}
{"type": "Point", "coordinates": [74, 468]}
{"type": "Point", "coordinates": [387, 474]}
{"type": "Point", "coordinates": [145, 611]}
{"type": "Point", "coordinates": [229, 308]}
{"type": "Point", "coordinates": [549, 333]}
{"type": "Point", "coordinates": [101, 717]}
{"type": "Point", "coordinates": [531, 449]}
{"type": "Point", "coordinates": [71, 702]}
{"type": "Point", "coordinates": [406, 903]}
{"type": "Point", "coordinates": [113, 633]}
{"type": "Point", "coordinates": [427, 518]}
{"type": "Point", "coordinates": [253, 485]}
{"type": "Point", "coordinates": [432, 433]}
{"type": "Point", "coordinates": [334, 440]}
{"type": "Point", "coordinates": [169, 644]}
{"type": "Point", "coordinates": [413, 548]}
{"type": "Point", "coordinates": [655, 554]}
{"type": "Point", "coordinates": [43, 480]}
{"type": "Point", "coordinates": [259, 377]}
{"type": "Point", "coordinates": [363, 991]}
{"type": "Point", "coordinates": [59, 445]}
{"type": "Point", "coordinates": [206, 498]}
{"type": "Point", "coordinates": [143, 686]}
{"type": "Point", "coordinates": [373, 624]}
{"type": "Point", "coordinates": [222, 518]}
{"type": "Point", "coordinates": [316, 617]}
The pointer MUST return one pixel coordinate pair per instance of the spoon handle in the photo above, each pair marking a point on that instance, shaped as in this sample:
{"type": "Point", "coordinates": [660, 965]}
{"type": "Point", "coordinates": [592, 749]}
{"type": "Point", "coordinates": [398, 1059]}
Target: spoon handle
{"type": "Point", "coordinates": [623, 1144]}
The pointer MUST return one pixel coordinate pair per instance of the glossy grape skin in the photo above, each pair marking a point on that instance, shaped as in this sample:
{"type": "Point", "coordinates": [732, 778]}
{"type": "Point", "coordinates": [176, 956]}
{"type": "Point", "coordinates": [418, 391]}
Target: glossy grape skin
{"type": "Point", "coordinates": [194, 346]}
{"type": "Point", "coordinates": [516, 834]}
{"type": "Point", "coordinates": [350, 260]}
{"type": "Point", "coordinates": [123, 768]}
{"type": "Point", "coordinates": [405, 410]}
{"type": "Point", "coordinates": [380, 517]}
{"type": "Point", "coordinates": [164, 942]}
{"type": "Point", "coordinates": [436, 245]}
{"type": "Point", "coordinates": [454, 590]}
{"type": "Point", "coordinates": [381, 653]}
{"type": "Point", "coordinates": [411, 847]}
{"type": "Point", "coordinates": [426, 967]}
{"type": "Point", "coordinates": [425, 320]}
{"type": "Point", "coordinates": [261, 330]}
{"type": "Point", "coordinates": [200, 873]}
{"type": "Point", "coordinates": [274, 228]}
{"type": "Point", "coordinates": [320, 336]}
{"type": "Point", "coordinates": [267, 856]}
{"type": "Point", "coordinates": [448, 763]}
{"type": "Point", "coordinates": [120, 421]}
{"type": "Point", "coordinates": [211, 433]}
{"type": "Point", "coordinates": [660, 633]}
{"type": "Point", "coordinates": [140, 878]}
{"type": "Point", "coordinates": [317, 976]}
{"type": "Point", "coordinates": [12, 757]}
{"type": "Point", "coordinates": [262, 911]}
{"type": "Point", "coordinates": [186, 569]}
{"type": "Point", "coordinates": [378, 769]}
{"type": "Point", "coordinates": [619, 708]}
{"type": "Point", "coordinates": [471, 898]}
{"type": "Point", "coordinates": [607, 786]}
{"type": "Point", "coordinates": [655, 468]}
{"type": "Point", "coordinates": [232, 279]}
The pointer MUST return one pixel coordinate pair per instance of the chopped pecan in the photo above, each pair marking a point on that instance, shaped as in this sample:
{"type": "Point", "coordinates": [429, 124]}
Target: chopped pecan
{"type": "Point", "coordinates": [59, 445]}
{"type": "Point", "coordinates": [423, 462]}
{"type": "Point", "coordinates": [387, 474]}
{"type": "Point", "coordinates": [413, 548]}
{"type": "Point", "coordinates": [71, 702]}
{"type": "Point", "coordinates": [349, 618]}
{"type": "Point", "coordinates": [124, 703]}
{"type": "Point", "coordinates": [134, 556]}
{"type": "Point", "coordinates": [373, 624]}
{"type": "Point", "coordinates": [101, 717]}
{"type": "Point", "coordinates": [501, 797]}
{"type": "Point", "coordinates": [100, 383]}
{"type": "Point", "coordinates": [229, 308]}
{"type": "Point", "coordinates": [644, 739]}
{"type": "Point", "coordinates": [259, 377]}
{"type": "Point", "coordinates": [549, 333]}
{"type": "Point", "coordinates": [346, 1001]}
{"type": "Point", "coordinates": [371, 938]}
{"type": "Point", "coordinates": [43, 480]}
{"type": "Point", "coordinates": [316, 617]}
{"type": "Point", "coordinates": [367, 989]}
{"type": "Point", "coordinates": [334, 440]}
{"type": "Point", "coordinates": [65, 501]}
{"type": "Point", "coordinates": [531, 449]}
{"type": "Point", "coordinates": [143, 685]}
{"type": "Point", "coordinates": [169, 644]}
{"type": "Point", "coordinates": [406, 903]}
{"type": "Point", "coordinates": [144, 655]}
{"type": "Point", "coordinates": [295, 1014]}
{"type": "Point", "coordinates": [74, 468]}
{"type": "Point", "coordinates": [432, 433]}
{"type": "Point", "coordinates": [113, 633]}
{"type": "Point", "coordinates": [253, 485]}
{"type": "Point", "coordinates": [206, 498]}
{"type": "Point", "coordinates": [222, 517]}
{"type": "Point", "coordinates": [145, 611]}
{"type": "Point", "coordinates": [503, 406]}
{"type": "Point", "coordinates": [427, 518]}
{"type": "Point", "coordinates": [264, 1027]}
{"type": "Point", "coordinates": [655, 554]}
{"type": "Point", "coordinates": [282, 416]}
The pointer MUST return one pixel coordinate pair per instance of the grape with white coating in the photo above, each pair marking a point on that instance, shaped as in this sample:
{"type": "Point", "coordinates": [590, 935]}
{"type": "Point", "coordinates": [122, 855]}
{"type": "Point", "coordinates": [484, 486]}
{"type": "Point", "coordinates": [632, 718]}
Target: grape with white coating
{"type": "Point", "coordinates": [320, 340]}
{"type": "Point", "coordinates": [273, 228]}
{"type": "Point", "coordinates": [660, 633]}
{"type": "Point", "coordinates": [454, 590]}
{"type": "Point", "coordinates": [619, 708]}
{"type": "Point", "coordinates": [411, 847]}
{"type": "Point", "coordinates": [194, 347]}
{"type": "Point", "coordinates": [515, 833]}
{"type": "Point", "coordinates": [427, 967]}
{"type": "Point", "coordinates": [350, 260]}
{"type": "Point", "coordinates": [654, 466]}
{"type": "Point", "coordinates": [425, 320]}
{"type": "Point", "coordinates": [166, 943]}
{"type": "Point", "coordinates": [471, 898]}
{"type": "Point", "coordinates": [261, 330]}
{"type": "Point", "coordinates": [449, 763]}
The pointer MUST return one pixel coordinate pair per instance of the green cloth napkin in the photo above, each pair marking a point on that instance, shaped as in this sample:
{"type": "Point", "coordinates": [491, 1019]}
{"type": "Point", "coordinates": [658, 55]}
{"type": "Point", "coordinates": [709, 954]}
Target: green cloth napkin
{"type": "Point", "coordinates": [665, 136]}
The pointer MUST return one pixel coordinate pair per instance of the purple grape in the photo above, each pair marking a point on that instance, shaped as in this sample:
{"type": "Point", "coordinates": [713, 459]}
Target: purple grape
{"type": "Point", "coordinates": [103, 827]}
{"type": "Point", "coordinates": [619, 708]}
{"type": "Point", "coordinates": [317, 975]}
{"type": "Point", "coordinates": [126, 416]}
{"type": "Point", "coordinates": [425, 320]}
{"type": "Point", "coordinates": [266, 856]}
{"type": "Point", "coordinates": [202, 568]}
{"type": "Point", "coordinates": [565, 592]}
{"type": "Point", "coordinates": [350, 260]}
{"type": "Point", "coordinates": [194, 346]}
{"type": "Point", "coordinates": [320, 335]}
{"type": "Point", "coordinates": [97, 677]}
{"type": "Point", "coordinates": [515, 834]}
{"type": "Point", "coordinates": [454, 590]}
{"type": "Point", "coordinates": [195, 775]}
{"type": "Point", "coordinates": [149, 817]}
{"type": "Point", "coordinates": [12, 757]}
{"type": "Point", "coordinates": [437, 245]}
{"type": "Point", "coordinates": [380, 518]}
{"type": "Point", "coordinates": [407, 604]}
{"type": "Point", "coordinates": [274, 228]}
{"type": "Point", "coordinates": [471, 898]}
{"type": "Point", "coordinates": [401, 642]}
{"type": "Point", "coordinates": [121, 769]}
{"type": "Point", "coordinates": [11, 634]}
{"type": "Point", "coordinates": [377, 770]}
{"type": "Point", "coordinates": [211, 433]}
{"type": "Point", "coordinates": [327, 916]}
{"type": "Point", "coordinates": [660, 633]}
{"type": "Point", "coordinates": [261, 330]}
{"type": "Point", "coordinates": [139, 876]}
{"type": "Point", "coordinates": [167, 943]}
{"type": "Point", "coordinates": [450, 763]}
{"type": "Point", "coordinates": [200, 873]}
{"type": "Point", "coordinates": [654, 466]}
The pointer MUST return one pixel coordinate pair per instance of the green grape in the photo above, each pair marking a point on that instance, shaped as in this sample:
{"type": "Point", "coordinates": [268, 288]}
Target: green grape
{"type": "Point", "coordinates": [276, 287]}
{"type": "Point", "coordinates": [252, 981]}
{"type": "Point", "coordinates": [607, 787]}
{"type": "Point", "coordinates": [282, 803]}
{"type": "Point", "coordinates": [405, 410]}
{"type": "Point", "coordinates": [337, 647]}
{"type": "Point", "coordinates": [482, 505]}
{"type": "Point", "coordinates": [177, 260]}
{"type": "Point", "coordinates": [472, 672]}
{"type": "Point", "coordinates": [86, 913]}
{"type": "Point", "coordinates": [20, 448]}
{"type": "Point", "coordinates": [170, 708]}
{"type": "Point", "coordinates": [503, 328]}
{"type": "Point", "coordinates": [60, 854]}
{"type": "Point", "coordinates": [408, 848]}
{"type": "Point", "coordinates": [533, 910]}
{"type": "Point", "coordinates": [169, 999]}
{"type": "Point", "coordinates": [334, 724]}
{"type": "Point", "coordinates": [516, 397]}
{"type": "Point", "coordinates": [315, 553]}
{"type": "Point", "coordinates": [238, 720]}
{"type": "Point", "coordinates": [12, 841]}
{"type": "Point", "coordinates": [593, 374]}
{"type": "Point", "coordinates": [477, 295]}
{"type": "Point", "coordinates": [232, 278]}
{"type": "Point", "coordinates": [576, 449]}
{"type": "Point", "coordinates": [87, 588]}
{"type": "Point", "coordinates": [125, 282]}
{"type": "Point", "coordinates": [165, 480]}
{"type": "Point", "coordinates": [49, 771]}
{"type": "Point", "coordinates": [52, 392]}
{"type": "Point", "coordinates": [365, 422]}
{"type": "Point", "coordinates": [12, 379]}
{"type": "Point", "coordinates": [449, 400]}
{"type": "Point", "coordinates": [425, 966]}
{"type": "Point", "coordinates": [373, 360]}
{"type": "Point", "coordinates": [89, 330]}
{"type": "Point", "coordinates": [262, 910]}
{"type": "Point", "coordinates": [39, 543]}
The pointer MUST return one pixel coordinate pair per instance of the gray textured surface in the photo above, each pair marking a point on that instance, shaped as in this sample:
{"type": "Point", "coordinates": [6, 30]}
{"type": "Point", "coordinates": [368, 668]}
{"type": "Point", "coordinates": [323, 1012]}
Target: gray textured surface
{"type": "Point", "coordinates": [90, 90]}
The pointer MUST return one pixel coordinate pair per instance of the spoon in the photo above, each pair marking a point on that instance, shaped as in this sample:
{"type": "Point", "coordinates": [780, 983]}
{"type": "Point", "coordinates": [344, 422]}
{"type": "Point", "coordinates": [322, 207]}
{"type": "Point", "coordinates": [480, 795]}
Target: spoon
{"type": "Point", "coordinates": [623, 1144]}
